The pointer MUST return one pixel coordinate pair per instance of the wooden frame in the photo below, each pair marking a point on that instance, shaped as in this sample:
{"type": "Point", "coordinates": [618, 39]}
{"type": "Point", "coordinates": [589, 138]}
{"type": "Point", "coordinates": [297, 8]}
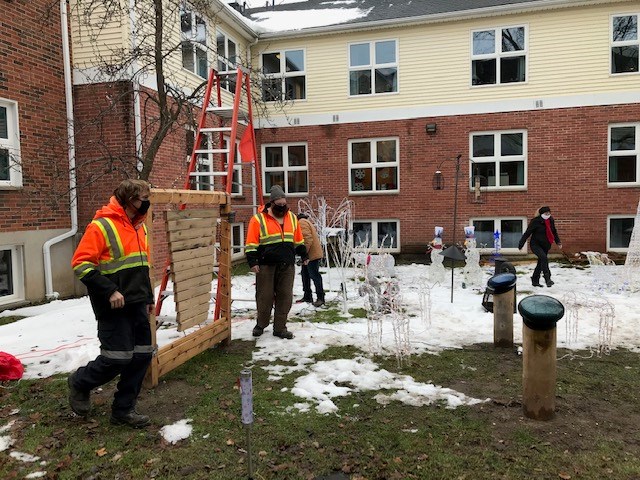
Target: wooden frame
{"type": "Point", "coordinates": [178, 352]}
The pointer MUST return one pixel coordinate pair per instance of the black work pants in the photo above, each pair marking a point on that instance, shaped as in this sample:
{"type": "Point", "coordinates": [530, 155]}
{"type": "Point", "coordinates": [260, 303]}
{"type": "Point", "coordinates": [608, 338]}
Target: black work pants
{"type": "Point", "coordinates": [125, 350]}
{"type": "Point", "coordinates": [311, 273]}
{"type": "Point", "coordinates": [543, 262]}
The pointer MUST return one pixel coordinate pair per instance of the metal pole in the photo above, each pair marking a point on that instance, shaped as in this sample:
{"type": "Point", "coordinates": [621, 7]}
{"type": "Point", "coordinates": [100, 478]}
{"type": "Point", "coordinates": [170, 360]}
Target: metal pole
{"type": "Point", "coordinates": [246, 397]}
{"type": "Point", "coordinates": [455, 215]}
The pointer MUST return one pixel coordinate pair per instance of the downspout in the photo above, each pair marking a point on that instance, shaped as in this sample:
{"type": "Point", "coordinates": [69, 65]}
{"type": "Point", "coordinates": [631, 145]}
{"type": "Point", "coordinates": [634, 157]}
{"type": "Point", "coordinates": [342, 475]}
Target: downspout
{"type": "Point", "coordinates": [73, 199]}
{"type": "Point", "coordinates": [135, 83]}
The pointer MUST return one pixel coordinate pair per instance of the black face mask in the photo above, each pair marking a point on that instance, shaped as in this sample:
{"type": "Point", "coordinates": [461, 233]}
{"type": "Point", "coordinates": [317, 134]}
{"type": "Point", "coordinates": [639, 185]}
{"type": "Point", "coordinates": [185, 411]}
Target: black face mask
{"type": "Point", "coordinates": [144, 207]}
{"type": "Point", "coordinates": [279, 210]}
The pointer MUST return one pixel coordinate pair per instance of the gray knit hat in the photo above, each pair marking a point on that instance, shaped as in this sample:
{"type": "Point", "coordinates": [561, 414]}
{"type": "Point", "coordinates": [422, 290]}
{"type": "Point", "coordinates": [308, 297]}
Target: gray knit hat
{"type": "Point", "coordinates": [276, 193]}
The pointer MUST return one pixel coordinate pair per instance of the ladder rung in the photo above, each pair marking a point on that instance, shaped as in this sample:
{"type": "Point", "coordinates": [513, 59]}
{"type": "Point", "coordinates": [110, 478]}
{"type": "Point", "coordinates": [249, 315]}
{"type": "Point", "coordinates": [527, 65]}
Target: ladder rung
{"type": "Point", "coordinates": [245, 206]}
{"type": "Point", "coordinates": [215, 129]}
{"type": "Point", "coordinates": [212, 150]}
{"type": "Point", "coordinates": [208, 174]}
{"type": "Point", "coordinates": [227, 112]}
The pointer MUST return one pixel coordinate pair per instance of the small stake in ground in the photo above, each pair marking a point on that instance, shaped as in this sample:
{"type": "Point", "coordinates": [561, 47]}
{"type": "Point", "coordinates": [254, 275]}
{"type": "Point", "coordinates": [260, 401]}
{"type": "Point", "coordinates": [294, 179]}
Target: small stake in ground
{"type": "Point", "coordinates": [246, 399]}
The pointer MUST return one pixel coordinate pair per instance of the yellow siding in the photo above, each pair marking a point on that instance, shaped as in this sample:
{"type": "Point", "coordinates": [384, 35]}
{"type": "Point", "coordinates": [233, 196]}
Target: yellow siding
{"type": "Point", "coordinates": [93, 37]}
{"type": "Point", "coordinates": [96, 43]}
{"type": "Point", "coordinates": [568, 54]}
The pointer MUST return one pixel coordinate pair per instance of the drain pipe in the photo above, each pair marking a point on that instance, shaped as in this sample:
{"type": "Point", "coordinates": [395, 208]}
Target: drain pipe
{"type": "Point", "coordinates": [73, 199]}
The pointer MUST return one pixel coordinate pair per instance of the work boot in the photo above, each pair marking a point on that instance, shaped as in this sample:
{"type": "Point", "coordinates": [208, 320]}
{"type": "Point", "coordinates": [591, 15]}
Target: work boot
{"type": "Point", "coordinates": [318, 303]}
{"type": "Point", "coordinates": [304, 300]}
{"type": "Point", "coordinates": [535, 282]}
{"type": "Point", "coordinates": [79, 400]}
{"type": "Point", "coordinates": [549, 282]}
{"type": "Point", "coordinates": [284, 334]}
{"type": "Point", "coordinates": [131, 418]}
{"type": "Point", "coordinates": [257, 331]}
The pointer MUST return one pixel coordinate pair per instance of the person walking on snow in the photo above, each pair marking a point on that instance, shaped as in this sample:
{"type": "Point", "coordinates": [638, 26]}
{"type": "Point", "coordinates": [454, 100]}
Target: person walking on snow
{"type": "Point", "coordinates": [311, 271]}
{"type": "Point", "coordinates": [112, 260]}
{"type": "Point", "coordinates": [542, 230]}
{"type": "Point", "coordinates": [273, 240]}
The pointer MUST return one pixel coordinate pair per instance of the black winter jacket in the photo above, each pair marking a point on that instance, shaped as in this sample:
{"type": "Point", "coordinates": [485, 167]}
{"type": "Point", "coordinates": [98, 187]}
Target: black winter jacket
{"type": "Point", "coordinates": [538, 233]}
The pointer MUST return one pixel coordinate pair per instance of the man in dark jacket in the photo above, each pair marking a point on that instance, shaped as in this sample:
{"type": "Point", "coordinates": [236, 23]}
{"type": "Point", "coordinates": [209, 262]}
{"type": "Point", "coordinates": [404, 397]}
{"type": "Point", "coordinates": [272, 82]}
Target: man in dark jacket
{"type": "Point", "coordinates": [273, 240]}
{"type": "Point", "coordinates": [112, 260]}
{"type": "Point", "coordinates": [542, 230]}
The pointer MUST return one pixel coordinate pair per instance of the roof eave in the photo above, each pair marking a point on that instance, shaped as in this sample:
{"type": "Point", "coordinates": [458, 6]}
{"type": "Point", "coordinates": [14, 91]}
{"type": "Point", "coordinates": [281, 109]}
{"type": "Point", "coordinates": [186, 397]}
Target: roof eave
{"type": "Point", "coordinates": [224, 11]}
{"type": "Point", "coordinates": [433, 18]}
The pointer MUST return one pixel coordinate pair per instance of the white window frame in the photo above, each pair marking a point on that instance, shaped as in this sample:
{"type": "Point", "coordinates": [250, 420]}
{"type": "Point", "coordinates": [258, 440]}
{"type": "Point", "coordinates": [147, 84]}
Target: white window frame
{"type": "Point", "coordinates": [17, 271]}
{"type": "Point", "coordinates": [372, 67]}
{"type": "Point", "coordinates": [374, 165]}
{"type": "Point", "coordinates": [12, 145]}
{"type": "Point", "coordinates": [498, 54]}
{"type": "Point", "coordinates": [635, 152]}
{"type": "Point", "coordinates": [283, 74]}
{"type": "Point", "coordinates": [285, 167]}
{"type": "Point", "coordinates": [374, 234]}
{"type": "Point", "coordinates": [496, 226]}
{"type": "Point", "coordinates": [224, 60]}
{"type": "Point", "coordinates": [237, 243]}
{"type": "Point", "coordinates": [497, 159]}
{"type": "Point", "coordinates": [625, 43]}
{"type": "Point", "coordinates": [615, 217]}
{"type": "Point", "coordinates": [236, 190]}
{"type": "Point", "coordinates": [192, 39]}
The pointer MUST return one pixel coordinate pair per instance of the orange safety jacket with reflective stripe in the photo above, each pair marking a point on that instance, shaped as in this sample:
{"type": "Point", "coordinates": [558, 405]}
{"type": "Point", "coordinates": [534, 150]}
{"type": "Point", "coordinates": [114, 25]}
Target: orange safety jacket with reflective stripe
{"type": "Point", "coordinates": [113, 254]}
{"type": "Point", "coordinates": [269, 243]}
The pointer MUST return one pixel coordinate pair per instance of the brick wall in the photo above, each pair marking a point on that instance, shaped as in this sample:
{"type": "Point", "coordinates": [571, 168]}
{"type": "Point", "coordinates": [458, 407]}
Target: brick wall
{"type": "Point", "coordinates": [566, 167]}
{"type": "Point", "coordinates": [31, 74]}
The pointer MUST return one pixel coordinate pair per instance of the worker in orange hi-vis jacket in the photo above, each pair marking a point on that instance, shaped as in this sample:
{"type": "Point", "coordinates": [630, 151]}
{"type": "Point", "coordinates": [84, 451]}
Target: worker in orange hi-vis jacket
{"type": "Point", "coordinates": [112, 260]}
{"type": "Point", "coordinates": [273, 240]}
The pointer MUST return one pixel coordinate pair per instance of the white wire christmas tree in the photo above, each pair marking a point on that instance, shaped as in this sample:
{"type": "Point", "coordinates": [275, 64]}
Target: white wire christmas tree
{"type": "Point", "coordinates": [632, 262]}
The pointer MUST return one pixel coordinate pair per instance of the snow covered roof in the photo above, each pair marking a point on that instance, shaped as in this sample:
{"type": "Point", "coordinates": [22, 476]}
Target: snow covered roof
{"type": "Point", "coordinates": [277, 18]}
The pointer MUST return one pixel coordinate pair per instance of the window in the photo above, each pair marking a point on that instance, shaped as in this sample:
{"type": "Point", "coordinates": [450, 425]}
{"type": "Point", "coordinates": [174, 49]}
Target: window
{"type": "Point", "coordinates": [11, 274]}
{"type": "Point", "coordinates": [237, 240]}
{"type": "Point", "coordinates": [284, 76]}
{"type": "Point", "coordinates": [376, 235]}
{"type": "Point", "coordinates": [624, 154]}
{"type": "Point", "coordinates": [194, 41]}
{"type": "Point", "coordinates": [373, 67]}
{"type": "Point", "coordinates": [500, 158]}
{"type": "Point", "coordinates": [10, 168]}
{"type": "Point", "coordinates": [507, 230]}
{"type": "Point", "coordinates": [373, 165]}
{"type": "Point", "coordinates": [498, 56]}
{"type": "Point", "coordinates": [285, 165]}
{"type": "Point", "coordinates": [236, 180]}
{"type": "Point", "coordinates": [227, 61]}
{"type": "Point", "coordinates": [624, 44]}
{"type": "Point", "coordinates": [619, 232]}
{"type": "Point", "coordinates": [204, 161]}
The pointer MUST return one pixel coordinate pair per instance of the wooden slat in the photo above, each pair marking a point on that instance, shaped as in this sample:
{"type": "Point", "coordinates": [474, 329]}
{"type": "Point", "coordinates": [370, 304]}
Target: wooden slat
{"type": "Point", "coordinates": [195, 253]}
{"type": "Point", "coordinates": [163, 195]}
{"type": "Point", "coordinates": [208, 232]}
{"type": "Point", "coordinates": [193, 263]}
{"type": "Point", "coordinates": [191, 243]}
{"type": "Point", "coordinates": [189, 223]}
{"type": "Point", "coordinates": [180, 351]}
{"type": "Point", "coordinates": [203, 271]}
{"type": "Point", "coordinates": [194, 318]}
{"type": "Point", "coordinates": [192, 282]}
{"type": "Point", "coordinates": [192, 214]}
{"type": "Point", "coordinates": [182, 294]}
{"type": "Point", "coordinates": [202, 299]}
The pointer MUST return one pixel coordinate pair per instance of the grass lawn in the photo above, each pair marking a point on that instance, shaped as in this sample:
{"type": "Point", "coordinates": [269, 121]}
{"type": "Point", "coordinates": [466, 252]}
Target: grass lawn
{"type": "Point", "coordinates": [594, 435]}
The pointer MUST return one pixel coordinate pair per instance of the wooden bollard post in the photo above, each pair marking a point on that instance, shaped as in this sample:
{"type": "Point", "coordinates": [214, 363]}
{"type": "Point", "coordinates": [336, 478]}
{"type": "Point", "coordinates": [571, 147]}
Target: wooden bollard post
{"type": "Point", "coordinates": [503, 286]}
{"type": "Point", "coordinates": [539, 314]}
